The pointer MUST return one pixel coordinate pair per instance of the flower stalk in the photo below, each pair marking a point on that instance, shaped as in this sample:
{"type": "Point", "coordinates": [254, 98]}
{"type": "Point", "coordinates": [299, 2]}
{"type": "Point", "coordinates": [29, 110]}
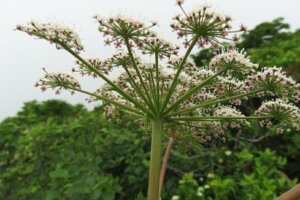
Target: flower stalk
{"type": "Point", "coordinates": [155, 159]}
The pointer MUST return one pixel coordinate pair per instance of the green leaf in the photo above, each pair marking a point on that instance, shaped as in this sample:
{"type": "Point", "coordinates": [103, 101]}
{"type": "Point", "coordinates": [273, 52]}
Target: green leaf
{"type": "Point", "coordinates": [59, 173]}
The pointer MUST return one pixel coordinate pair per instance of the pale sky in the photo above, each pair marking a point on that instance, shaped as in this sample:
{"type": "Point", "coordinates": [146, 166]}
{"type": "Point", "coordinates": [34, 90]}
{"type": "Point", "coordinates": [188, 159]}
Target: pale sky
{"type": "Point", "coordinates": [22, 57]}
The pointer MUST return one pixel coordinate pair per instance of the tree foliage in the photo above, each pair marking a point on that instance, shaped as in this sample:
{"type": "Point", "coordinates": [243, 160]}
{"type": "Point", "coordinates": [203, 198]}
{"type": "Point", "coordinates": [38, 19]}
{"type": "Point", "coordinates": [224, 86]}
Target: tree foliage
{"type": "Point", "coordinates": [53, 150]}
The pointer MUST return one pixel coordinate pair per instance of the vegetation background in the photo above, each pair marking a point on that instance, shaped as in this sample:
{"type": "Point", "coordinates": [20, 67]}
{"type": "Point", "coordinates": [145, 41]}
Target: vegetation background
{"type": "Point", "coordinates": [54, 150]}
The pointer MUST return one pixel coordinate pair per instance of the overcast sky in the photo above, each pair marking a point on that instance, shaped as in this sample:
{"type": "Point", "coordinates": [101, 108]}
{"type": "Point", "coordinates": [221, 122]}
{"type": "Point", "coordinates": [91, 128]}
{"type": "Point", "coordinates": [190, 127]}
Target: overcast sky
{"type": "Point", "coordinates": [22, 57]}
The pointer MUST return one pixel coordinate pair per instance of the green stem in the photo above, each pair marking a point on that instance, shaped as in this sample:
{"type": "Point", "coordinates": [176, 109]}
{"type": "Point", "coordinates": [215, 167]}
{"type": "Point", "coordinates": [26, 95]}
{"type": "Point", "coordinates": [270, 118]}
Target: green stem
{"type": "Point", "coordinates": [138, 73]}
{"type": "Point", "coordinates": [155, 159]}
{"type": "Point", "coordinates": [180, 68]}
{"type": "Point", "coordinates": [121, 106]}
{"type": "Point", "coordinates": [193, 91]}
{"type": "Point", "coordinates": [157, 80]}
{"type": "Point", "coordinates": [115, 87]}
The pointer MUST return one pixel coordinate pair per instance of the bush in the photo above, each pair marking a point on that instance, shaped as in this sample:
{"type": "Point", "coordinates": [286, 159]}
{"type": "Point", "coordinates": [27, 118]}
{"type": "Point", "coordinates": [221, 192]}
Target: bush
{"type": "Point", "coordinates": [245, 175]}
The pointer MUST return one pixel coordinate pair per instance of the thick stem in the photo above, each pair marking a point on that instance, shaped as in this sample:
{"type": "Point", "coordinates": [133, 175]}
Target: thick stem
{"type": "Point", "coordinates": [155, 159]}
{"type": "Point", "coordinates": [165, 164]}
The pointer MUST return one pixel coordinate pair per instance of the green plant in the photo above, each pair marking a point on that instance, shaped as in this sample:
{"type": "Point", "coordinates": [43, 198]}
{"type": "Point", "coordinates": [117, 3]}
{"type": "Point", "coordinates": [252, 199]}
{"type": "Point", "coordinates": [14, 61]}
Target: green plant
{"type": "Point", "coordinates": [251, 176]}
{"type": "Point", "coordinates": [70, 154]}
{"type": "Point", "coordinates": [183, 98]}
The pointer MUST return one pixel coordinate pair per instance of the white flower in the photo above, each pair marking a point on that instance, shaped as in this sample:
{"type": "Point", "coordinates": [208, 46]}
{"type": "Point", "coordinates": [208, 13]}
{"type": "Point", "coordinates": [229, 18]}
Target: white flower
{"type": "Point", "coordinates": [210, 175]}
{"type": "Point", "coordinates": [58, 81]}
{"type": "Point", "coordinates": [210, 27]}
{"type": "Point", "coordinates": [55, 33]}
{"type": "Point", "coordinates": [206, 187]}
{"type": "Point", "coordinates": [228, 153]}
{"type": "Point", "coordinates": [273, 81]}
{"type": "Point", "coordinates": [236, 63]}
{"type": "Point", "coordinates": [226, 111]}
{"type": "Point", "coordinates": [282, 113]}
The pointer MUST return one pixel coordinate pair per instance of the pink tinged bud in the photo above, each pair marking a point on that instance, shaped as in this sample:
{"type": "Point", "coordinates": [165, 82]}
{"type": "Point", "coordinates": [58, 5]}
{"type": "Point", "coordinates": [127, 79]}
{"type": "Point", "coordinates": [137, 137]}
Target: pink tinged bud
{"type": "Point", "coordinates": [186, 44]}
{"type": "Point", "coordinates": [18, 27]}
{"type": "Point", "coordinates": [43, 88]}
{"type": "Point", "coordinates": [236, 38]}
{"type": "Point", "coordinates": [202, 42]}
{"type": "Point", "coordinates": [179, 2]}
{"type": "Point", "coordinates": [244, 28]}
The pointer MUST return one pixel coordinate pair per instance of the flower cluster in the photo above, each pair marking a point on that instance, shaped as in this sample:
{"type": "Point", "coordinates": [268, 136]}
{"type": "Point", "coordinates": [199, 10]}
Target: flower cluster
{"type": "Point", "coordinates": [97, 63]}
{"type": "Point", "coordinates": [159, 47]}
{"type": "Point", "coordinates": [189, 67]}
{"type": "Point", "coordinates": [205, 132]}
{"type": "Point", "coordinates": [119, 30]}
{"type": "Point", "coordinates": [207, 26]}
{"type": "Point", "coordinates": [284, 114]}
{"type": "Point", "coordinates": [104, 66]}
{"type": "Point", "coordinates": [58, 81]}
{"type": "Point", "coordinates": [226, 111]}
{"type": "Point", "coordinates": [179, 91]}
{"type": "Point", "coordinates": [296, 96]}
{"type": "Point", "coordinates": [272, 81]}
{"type": "Point", "coordinates": [55, 33]}
{"type": "Point", "coordinates": [228, 85]}
{"type": "Point", "coordinates": [234, 62]}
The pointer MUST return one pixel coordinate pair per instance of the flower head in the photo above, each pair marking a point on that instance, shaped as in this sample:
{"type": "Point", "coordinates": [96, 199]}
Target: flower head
{"type": "Point", "coordinates": [119, 30]}
{"type": "Point", "coordinates": [208, 26]}
{"type": "Point", "coordinates": [281, 113]}
{"type": "Point", "coordinates": [226, 111]}
{"type": "Point", "coordinates": [236, 63]}
{"type": "Point", "coordinates": [58, 81]}
{"type": "Point", "coordinates": [159, 47]}
{"type": "Point", "coordinates": [55, 33]}
{"type": "Point", "coordinates": [273, 81]}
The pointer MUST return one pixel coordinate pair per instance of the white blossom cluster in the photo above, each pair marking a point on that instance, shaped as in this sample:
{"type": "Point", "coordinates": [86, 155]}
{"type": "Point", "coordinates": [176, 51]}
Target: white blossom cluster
{"type": "Point", "coordinates": [58, 81]}
{"type": "Point", "coordinates": [55, 33]}
{"type": "Point", "coordinates": [227, 111]}
{"type": "Point", "coordinates": [284, 114]}
{"type": "Point", "coordinates": [115, 29]}
{"type": "Point", "coordinates": [296, 96]}
{"type": "Point", "coordinates": [189, 67]}
{"type": "Point", "coordinates": [210, 25]}
{"type": "Point", "coordinates": [159, 47]}
{"type": "Point", "coordinates": [234, 62]}
{"type": "Point", "coordinates": [273, 81]}
{"type": "Point", "coordinates": [97, 63]}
